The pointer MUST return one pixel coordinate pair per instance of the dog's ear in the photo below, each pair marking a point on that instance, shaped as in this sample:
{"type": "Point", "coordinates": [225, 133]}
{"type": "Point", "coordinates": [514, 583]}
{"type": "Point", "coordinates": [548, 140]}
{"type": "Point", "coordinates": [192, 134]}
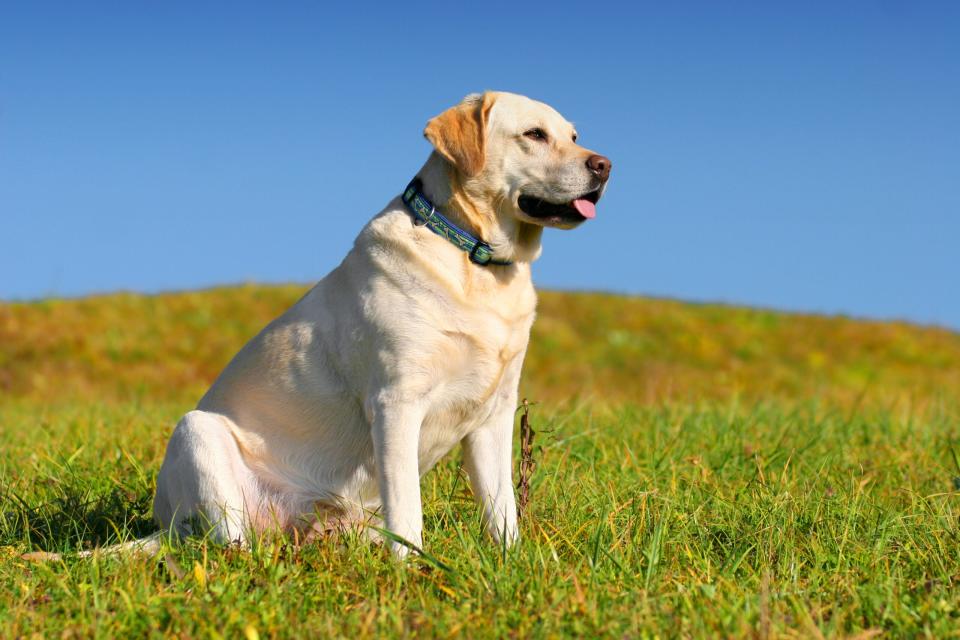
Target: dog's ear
{"type": "Point", "coordinates": [459, 133]}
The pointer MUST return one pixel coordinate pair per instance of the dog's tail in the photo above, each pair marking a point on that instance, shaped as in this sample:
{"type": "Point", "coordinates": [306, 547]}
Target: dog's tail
{"type": "Point", "coordinates": [149, 546]}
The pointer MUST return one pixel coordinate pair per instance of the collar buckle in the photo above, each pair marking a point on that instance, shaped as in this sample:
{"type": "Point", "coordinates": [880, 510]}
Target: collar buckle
{"type": "Point", "coordinates": [481, 253]}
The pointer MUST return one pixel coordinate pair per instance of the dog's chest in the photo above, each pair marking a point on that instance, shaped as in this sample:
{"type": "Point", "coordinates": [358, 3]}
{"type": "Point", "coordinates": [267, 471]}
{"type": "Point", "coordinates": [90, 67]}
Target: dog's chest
{"type": "Point", "coordinates": [477, 366]}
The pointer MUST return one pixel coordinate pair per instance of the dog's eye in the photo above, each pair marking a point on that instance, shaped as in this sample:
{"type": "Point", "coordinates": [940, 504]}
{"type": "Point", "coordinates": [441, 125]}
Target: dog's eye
{"type": "Point", "coordinates": [536, 134]}
{"type": "Point", "coordinates": [574, 137]}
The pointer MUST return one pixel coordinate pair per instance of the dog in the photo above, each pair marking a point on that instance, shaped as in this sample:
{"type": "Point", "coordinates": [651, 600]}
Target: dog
{"type": "Point", "coordinates": [413, 344]}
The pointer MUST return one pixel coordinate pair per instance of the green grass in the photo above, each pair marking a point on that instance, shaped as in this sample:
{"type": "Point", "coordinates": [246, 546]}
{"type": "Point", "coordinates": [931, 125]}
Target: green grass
{"type": "Point", "coordinates": [703, 471]}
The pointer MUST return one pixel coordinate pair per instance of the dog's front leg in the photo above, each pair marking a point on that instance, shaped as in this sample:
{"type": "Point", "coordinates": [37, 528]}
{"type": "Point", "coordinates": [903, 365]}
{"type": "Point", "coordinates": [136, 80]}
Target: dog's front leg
{"type": "Point", "coordinates": [396, 440]}
{"type": "Point", "coordinates": [488, 461]}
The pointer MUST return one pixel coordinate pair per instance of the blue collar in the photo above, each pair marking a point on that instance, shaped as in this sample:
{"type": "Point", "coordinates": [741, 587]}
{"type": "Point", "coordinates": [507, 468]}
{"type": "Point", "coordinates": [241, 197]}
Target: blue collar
{"type": "Point", "coordinates": [425, 214]}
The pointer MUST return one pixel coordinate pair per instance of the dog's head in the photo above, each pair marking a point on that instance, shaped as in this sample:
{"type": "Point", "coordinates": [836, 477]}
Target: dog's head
{"type": "Point", "coordinates": [520, 159]}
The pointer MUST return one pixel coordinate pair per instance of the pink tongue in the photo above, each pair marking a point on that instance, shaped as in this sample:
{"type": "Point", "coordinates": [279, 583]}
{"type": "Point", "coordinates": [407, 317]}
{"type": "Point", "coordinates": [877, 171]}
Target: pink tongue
{"type": "Point", "coordinates": [585, 208]}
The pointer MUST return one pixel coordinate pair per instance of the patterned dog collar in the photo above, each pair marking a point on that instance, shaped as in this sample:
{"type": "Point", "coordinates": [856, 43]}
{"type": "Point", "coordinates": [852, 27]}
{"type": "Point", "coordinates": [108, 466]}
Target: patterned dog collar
{"type": "Point", "coordinates": [425, 214]}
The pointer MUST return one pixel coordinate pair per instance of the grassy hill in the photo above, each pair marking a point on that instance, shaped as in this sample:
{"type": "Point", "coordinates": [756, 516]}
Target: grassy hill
{"type": "Point", "coordinates": [597, 346]}
{"type": "Point", "coordinates": [703, 471]}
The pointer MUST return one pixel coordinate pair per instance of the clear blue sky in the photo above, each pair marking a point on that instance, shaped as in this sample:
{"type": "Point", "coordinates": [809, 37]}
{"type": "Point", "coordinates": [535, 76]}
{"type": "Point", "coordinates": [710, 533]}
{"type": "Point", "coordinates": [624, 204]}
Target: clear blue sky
{"type": "Point", "coordinates": [794, 155]}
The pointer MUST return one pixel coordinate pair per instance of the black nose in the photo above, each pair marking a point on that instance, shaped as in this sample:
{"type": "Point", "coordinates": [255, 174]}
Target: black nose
{"type": "Point", "coordinates": [600, 166]}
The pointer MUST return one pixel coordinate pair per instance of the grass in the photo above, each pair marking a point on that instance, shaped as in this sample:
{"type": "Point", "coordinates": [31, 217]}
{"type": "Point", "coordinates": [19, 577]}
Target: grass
{"type": "Point", "coordinates": [702, 471]}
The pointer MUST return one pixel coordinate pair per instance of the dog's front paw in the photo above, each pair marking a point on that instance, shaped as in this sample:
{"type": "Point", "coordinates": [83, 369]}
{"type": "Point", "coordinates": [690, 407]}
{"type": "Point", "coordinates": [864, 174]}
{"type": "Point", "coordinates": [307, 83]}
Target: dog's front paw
{"type": "Point", "coordinates": [507, 533]}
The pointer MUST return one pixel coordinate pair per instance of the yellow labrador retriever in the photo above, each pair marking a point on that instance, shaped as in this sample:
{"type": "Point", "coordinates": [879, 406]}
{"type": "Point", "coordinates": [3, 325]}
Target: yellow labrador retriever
{"type": "Point", "coordinates": [412, 345]}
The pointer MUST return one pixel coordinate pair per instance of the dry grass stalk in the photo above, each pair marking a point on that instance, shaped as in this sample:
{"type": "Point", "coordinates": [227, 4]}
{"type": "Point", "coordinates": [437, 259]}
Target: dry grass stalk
{"type": "Point", "coordinates": [527, 462]}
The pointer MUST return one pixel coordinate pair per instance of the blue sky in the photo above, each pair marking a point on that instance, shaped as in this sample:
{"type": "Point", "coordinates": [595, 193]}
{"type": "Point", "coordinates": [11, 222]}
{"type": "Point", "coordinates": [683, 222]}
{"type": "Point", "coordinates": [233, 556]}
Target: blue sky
{"type": "Point", "coordinates": [802, 156]}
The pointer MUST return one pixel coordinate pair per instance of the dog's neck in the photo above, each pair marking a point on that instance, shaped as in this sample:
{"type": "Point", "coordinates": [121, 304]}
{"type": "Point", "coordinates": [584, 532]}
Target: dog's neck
{"type": "Point", "coordinates": [466, 206]}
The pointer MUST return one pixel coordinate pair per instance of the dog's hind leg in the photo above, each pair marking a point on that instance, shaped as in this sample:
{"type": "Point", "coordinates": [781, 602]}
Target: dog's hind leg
{"type": "Point", "coordinates": [204, 480]}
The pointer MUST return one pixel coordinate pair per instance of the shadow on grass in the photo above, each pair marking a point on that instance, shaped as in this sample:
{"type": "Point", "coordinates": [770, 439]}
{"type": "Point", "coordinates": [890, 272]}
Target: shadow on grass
{"type": "Point", "coordinates": [78, 517]}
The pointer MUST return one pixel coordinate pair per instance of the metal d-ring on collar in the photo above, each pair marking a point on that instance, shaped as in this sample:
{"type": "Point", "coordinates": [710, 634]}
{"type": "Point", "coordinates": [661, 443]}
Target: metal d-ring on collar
{"type": "Point", "coordinates": [419, 221]}
{"type": "Point", "coordinates": [426, 214]}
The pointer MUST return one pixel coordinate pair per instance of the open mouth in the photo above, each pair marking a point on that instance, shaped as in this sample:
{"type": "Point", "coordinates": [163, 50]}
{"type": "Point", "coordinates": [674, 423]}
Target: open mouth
{"type": "Point", "coordinates": [578, 210]}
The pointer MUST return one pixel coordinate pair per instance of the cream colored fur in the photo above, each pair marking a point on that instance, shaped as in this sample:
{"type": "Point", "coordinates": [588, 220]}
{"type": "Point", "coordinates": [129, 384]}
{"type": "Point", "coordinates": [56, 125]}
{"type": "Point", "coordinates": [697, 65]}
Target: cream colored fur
{"type": "Point", "coordinates": [332, 414]}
